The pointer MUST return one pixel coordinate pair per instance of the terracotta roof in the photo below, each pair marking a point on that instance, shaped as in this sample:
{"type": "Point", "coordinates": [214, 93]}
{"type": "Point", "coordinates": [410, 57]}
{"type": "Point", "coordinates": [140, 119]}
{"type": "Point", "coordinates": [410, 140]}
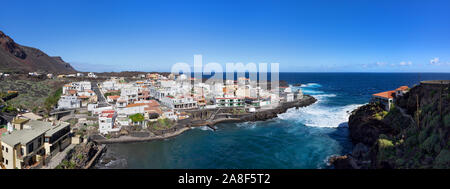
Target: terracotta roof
{"type": "Point", "coordinates": [114, 97]}
{"type": "Point", "coordinates": [108, 111]}
{"type": "Point", "coordinates": [151, 103]}
{"type": "Point", "coordinates": [136, 104]}
{"type": "Point", "coordinates": [386, 94]}
{"type": "Point", "coordinates": [153, 109]}
{"type": "Point", "coordinates": [83, 97]}
{"type": "Point", "coordinates": [402, 88]}
{"type": "Point", "coordinates": [72, 91]}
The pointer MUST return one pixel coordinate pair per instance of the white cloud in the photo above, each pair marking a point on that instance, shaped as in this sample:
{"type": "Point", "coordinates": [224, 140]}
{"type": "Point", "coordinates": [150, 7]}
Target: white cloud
{"type": "Point", "coordinates": [380, 63]}
{"type": "Point", "coordinates": [403, 63]}
{"type": "Point", "coordinates": [434, 61]}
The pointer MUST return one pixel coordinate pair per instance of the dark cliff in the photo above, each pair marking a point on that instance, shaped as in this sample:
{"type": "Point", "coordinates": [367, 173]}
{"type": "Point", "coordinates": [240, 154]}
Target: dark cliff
{"type": "Point", "coordinates": [407, 136]}
{"type": "Point", "coordinates": [22, 59]}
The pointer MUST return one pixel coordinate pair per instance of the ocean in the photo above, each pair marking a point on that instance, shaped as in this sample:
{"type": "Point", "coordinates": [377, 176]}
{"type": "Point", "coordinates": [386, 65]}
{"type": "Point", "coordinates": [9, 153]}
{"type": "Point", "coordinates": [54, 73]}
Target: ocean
{"type": "Point", "coordinates": [301, 138]}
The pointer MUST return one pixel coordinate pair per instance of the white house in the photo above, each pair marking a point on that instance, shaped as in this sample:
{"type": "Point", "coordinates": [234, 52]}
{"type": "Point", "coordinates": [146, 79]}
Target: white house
{"type": "Point", "coordinates": [229, 102]}
{"type": "Point", "coordinates": [131, 109]}
{"type": "Point", "coordinates": [131, 93]}
{"type": "Point", "coordinates": [167, 83]}
{"type": "Point", "coordinates": [91, 107]}
{"type": "Point", "coordinates": [180, 102]}
{"type": "Point", "coordinates": [110, 85]}
{"type": "Point", "coordinates": [98, 110]}
{"type": "Point", "coordinates": [69, 102]}
{"type": "Point", "coordinates": [92, 75]}
{"type": "Point", "coordinates": [106, 120]}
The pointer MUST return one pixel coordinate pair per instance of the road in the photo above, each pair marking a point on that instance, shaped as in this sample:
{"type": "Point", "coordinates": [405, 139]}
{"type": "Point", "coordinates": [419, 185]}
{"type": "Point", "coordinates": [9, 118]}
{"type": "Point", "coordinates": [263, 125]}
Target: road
{"type": "Point", "coordinates": [101, 99]}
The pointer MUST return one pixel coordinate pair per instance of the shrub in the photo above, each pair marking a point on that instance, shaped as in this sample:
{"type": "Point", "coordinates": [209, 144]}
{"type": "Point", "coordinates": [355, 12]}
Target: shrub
{"type": "Point", "coordinates": [435, 121]}
{"type": "Point", "coordinates": [380, 115]}
{"type": "Point", "coordinates": [423, 135]}
{"type": "Point", "coordinates": [429, 143]}
{"type": "Point", "coordinates": [52, 100]}
{"type": "Point", "coordinates": [447, 120]}
{"type": "Point", "coordinates": [112, 94]}
{"type": "Point", "coordinates": [137, 118]}
{"type": "Point", "coordinates": [433, 92]}
{"type": "Point", "coordinates": [385, 150]}
{"type": "Point", "coordinates": [9, 108]}
{"type": "Point", "coordinates": [442, 160]}
{"type": "Point", "coordinates": [411, 140]}
{"type": "Point", "coordinates": [385, 143]}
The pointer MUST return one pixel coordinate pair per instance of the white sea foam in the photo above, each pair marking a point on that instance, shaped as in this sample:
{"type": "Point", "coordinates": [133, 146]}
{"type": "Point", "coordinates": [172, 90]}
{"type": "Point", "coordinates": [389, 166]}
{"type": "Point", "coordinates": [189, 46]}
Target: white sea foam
{"type": "Point", "coordinates": [249, 125]}
{"type": "Point", "coordinates": [311, 92]}
{"type": "Point", "coordinates": [318, 114]}
{"type": "Point", "coordinates": [116, 164]}
{"type": "Point", "coordinates": [322, 96]}
{"type": "Point", "coordinates": [311, 85]}
{"type": "Point", "coordinates": [203, 128]}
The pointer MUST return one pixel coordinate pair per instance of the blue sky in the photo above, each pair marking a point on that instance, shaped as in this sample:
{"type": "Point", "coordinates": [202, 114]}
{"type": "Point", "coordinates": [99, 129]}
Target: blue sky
{"type": "Point", "coordinates": [303, 36]}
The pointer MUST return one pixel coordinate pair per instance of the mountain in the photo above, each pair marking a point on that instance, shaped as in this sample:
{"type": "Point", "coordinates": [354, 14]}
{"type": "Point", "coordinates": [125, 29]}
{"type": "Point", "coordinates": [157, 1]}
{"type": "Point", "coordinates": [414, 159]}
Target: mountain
{"type": "Point", "coordinates": [18, 58]}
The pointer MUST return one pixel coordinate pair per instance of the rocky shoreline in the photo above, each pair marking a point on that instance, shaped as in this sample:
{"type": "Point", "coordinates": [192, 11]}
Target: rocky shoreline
{"type": "Point", "coordinates": [413, 134]}
{"type": "Point", "coordinates": [212, 117]}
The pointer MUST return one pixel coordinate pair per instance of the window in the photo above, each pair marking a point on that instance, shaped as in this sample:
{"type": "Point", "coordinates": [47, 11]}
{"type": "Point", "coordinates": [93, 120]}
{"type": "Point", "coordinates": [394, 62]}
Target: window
{"type": "Point", "coordinates": [21, 151]}
{"type": "Point", "coordinates": [6, 149]}
{"type": "Point", "coordinates": [3, 148]}
{"type": "Point", "coordinates": [6, 162]}
{"type": "Point", "coordinates": [30, 148]}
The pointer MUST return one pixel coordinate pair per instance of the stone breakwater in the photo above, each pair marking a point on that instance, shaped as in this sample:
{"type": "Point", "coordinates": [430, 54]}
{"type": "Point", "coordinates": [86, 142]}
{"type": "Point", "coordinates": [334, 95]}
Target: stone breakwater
{"type": "Point", "coordinates": [211, 117]}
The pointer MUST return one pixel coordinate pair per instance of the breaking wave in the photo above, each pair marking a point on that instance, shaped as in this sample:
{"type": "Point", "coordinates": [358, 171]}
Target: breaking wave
{"type": "Point", "coordinates": [311, 85]}
{"type": "Point", "coordinates": [319, 114]}
{"type": "Point", "coordinates": [203, 128]}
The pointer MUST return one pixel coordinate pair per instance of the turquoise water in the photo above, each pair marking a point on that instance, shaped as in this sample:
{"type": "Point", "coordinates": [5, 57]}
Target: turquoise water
{"type": "Point", "coordinates": [300, 138]}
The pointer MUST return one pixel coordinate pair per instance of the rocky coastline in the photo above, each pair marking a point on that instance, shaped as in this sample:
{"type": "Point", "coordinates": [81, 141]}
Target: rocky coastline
{"type": "Point", "coordinates": [413, 134]}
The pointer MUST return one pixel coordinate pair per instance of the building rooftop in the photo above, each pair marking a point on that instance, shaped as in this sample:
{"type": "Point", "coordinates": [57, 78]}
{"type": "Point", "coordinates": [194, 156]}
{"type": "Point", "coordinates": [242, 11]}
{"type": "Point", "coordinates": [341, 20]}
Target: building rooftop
{"type": "Point", "coordinates": [32, 116]}
{"type": "Point", "coordinates": [34, 129]}
{"type": "Point", "coordinates": [20, 120]}
{"type": "Point", "coordinates": [386, 94]}
{"type": "Point", "coordinates": [114, 97]}
{"type": "Point", "coordinates": [56, 128]}
{"type": "Point", "coordinates": [402, 88]}
{"type": "Point", "coordinates": [26, 135]}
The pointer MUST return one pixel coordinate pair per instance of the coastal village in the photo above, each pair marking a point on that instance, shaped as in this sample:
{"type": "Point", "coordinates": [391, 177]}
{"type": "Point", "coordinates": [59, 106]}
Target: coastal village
{"type": "Point", "coordinates": [145, 107]}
